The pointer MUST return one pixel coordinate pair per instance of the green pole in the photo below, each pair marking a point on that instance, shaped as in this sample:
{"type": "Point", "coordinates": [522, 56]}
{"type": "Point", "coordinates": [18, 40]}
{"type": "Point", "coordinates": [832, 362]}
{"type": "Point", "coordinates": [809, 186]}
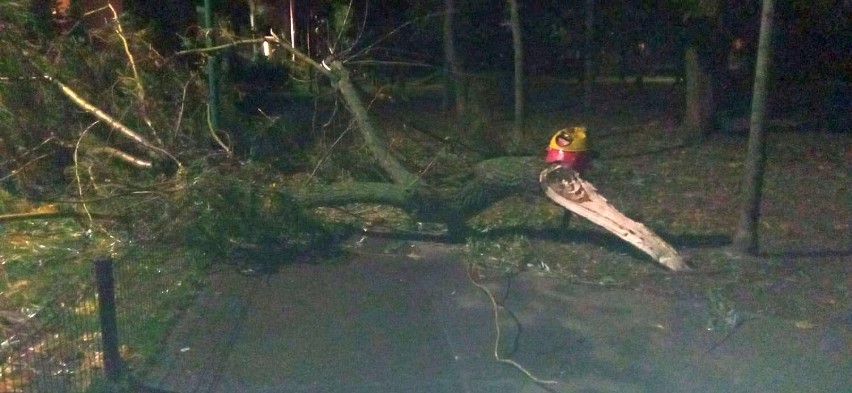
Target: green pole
{"type": "Point", "coordinates": [212, 69]}
{"type": "Point", "coordinates": [105, 279]}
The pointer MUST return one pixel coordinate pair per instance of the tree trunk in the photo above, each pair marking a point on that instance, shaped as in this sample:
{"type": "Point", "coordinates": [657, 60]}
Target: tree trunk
{"type": "Point", "coordinates": [518, 47]}
{"type": "Point", "coordinates": [452, 88]}
{"type": "Point", "coordinates": [493, 180]}
{"type": "Point", "coordinates": [588, 56]}
{"type": "Point", "coordinates": [212, 70]}
{"type": "Point", "coordinates": [563, 185]}
{"type": "Point", "coordinates": [702, 43]}
{"type": "Point", "coordinates": [700, 102]}
{"type": "Point", "coordinates": [745, 239]}
{"type": "Point", "coordinates": [388, 162]}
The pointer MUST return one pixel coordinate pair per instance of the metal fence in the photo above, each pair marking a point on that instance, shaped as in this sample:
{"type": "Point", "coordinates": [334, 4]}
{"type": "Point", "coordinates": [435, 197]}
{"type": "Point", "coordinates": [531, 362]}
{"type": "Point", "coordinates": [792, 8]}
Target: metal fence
{"type": "Point", "coordinates": [57, 345]}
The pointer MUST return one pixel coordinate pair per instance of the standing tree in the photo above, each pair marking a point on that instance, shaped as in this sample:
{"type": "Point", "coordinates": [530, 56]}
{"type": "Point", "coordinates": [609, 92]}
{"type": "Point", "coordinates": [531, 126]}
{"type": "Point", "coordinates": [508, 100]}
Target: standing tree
{"type": "Point", "coordinates": [588, 33]}
{"type": "Point", "coordinates": [700, 66]}
{"type": "Point", "coordinates": [452, 86]}
{"type": "Point", "coordinates": [518, 48]}
{"type": "Point", "coordinates": [745, 238]}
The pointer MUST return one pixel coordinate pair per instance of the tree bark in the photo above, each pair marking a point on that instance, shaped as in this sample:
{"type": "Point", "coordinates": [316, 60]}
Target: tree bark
{"type": "Point", "coordinates": [452, 88]}
{"type": "Point", "coordinates": [701, 60]}
{"type": "Point", "coordinates": [587, 59]}
{"type": "Point", "coordinates": [374, 143]}
{"type": "Point", "coordinates": [518, 48]}
{"type": "Point", "coordinates": [493, 180]}
{"type": "Point", "coordinates": [746, 239]}
{"type": "Point", "coordinates": [563, 185]}
{"type": "Point", "coordinates": [700, 103]}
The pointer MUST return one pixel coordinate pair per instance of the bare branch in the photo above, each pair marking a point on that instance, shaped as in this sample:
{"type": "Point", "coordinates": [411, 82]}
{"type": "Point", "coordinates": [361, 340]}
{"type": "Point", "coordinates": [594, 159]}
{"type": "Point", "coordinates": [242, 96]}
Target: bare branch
{"type": "Point", "coordinates": [182, 103]}
{"type": "Point", "coordinates": [328, 151]}
{"type": "Point", "coordinates": [223, 46]}
{"type": "Point", "coordinates": [77, 171]}
{"type": "Point", "coordinates": [49, 214]}
{"type": "Point", "coordinates": [392, 33]}
{"type": "Point", "coordinates": [20, 168]}
{"type": "Point", "coordinates": [113, 152]}
{"type": "Point", "coordinates": [113, 123]}
{"type": "Point", "coordinates": [216, 137]}
{"type": "Point", "coordinates": [322, 68]}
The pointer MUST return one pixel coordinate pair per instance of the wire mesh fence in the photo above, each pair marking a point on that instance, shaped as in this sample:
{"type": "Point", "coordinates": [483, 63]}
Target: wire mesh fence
{"type": "Point", "coordinates": [56, 344]}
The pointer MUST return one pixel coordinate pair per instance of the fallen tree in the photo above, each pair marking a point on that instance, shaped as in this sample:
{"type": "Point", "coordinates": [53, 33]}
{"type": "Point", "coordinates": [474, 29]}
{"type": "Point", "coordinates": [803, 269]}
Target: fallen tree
{"type": "Point", "coordinates": [490, 181]}
{"type": "Point", "coordinates": [493, 180]}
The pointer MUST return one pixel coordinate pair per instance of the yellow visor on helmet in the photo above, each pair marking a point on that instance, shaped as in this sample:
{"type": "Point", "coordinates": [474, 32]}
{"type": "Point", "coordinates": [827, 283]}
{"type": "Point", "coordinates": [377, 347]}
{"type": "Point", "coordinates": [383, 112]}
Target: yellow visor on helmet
{"type": "Point", "coordinates": [570, 139]}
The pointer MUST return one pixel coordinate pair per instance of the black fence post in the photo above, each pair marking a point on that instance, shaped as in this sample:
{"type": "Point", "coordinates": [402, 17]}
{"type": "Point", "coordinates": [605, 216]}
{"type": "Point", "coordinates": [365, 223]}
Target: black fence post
{"type": "Point", "coordinates": [106, 309]}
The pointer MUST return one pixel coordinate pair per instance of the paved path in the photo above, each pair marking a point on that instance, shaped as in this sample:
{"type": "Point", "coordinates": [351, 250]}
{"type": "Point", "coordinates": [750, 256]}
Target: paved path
{"type": "Point", "coordinates": [410, 321]}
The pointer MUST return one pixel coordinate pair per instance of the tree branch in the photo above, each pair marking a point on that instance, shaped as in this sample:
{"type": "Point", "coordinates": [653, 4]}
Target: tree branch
{"type": "Point", "coordinates": [103, 116]}
{"type": "Point", "coordinates": [113, 152]}
{"type": "Point", "coordinates": [391, 165]}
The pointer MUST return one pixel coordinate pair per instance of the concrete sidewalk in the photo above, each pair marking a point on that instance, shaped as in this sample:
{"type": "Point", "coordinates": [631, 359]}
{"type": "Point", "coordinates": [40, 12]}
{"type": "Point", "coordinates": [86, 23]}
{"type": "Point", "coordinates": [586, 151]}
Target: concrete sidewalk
{"type": "Point", "coordinates": [410, 321]}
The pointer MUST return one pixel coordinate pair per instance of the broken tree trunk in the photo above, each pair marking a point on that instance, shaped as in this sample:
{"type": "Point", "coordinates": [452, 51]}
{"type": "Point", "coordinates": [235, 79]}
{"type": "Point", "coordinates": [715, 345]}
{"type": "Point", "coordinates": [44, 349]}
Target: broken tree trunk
{"type": "Point", "coordinates": [339, 76]}
{"type": "Point", "coordinates": [564, 186]}
{"type": "Point", "coordinates": [391, 165]}
{"type": "Point", "coordinates": [493, 180]}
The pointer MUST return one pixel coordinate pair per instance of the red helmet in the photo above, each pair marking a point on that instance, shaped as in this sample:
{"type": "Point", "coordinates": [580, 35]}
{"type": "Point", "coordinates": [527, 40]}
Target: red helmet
{"type": "Point", "coordinates": [569, 146]}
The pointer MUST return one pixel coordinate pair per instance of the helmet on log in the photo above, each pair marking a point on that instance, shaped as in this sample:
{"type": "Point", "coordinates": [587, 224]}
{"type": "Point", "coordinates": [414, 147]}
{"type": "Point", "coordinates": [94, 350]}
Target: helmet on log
{"type": "Point", "coordinates": [569, 146]}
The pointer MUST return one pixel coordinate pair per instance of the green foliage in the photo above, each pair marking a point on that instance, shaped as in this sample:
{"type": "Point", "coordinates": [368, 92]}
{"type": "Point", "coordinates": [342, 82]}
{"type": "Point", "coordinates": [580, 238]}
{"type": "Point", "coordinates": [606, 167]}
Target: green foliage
{"type": "Point", "coordinates": [40, 127]}
{"type": "Point", "coordinates": [722, 313]}
{"type": "Point", "coordinates": [341, 21]}
{"type": "Point", "coordinates": [239, 221]}
{"type": "Point", "coordinates": [509, 254]}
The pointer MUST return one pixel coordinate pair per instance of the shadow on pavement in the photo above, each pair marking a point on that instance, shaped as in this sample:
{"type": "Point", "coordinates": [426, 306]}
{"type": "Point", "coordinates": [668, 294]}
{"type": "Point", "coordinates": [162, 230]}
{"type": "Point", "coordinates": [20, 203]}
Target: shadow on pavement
{"type": "Point", "coordinates": [411, 321]}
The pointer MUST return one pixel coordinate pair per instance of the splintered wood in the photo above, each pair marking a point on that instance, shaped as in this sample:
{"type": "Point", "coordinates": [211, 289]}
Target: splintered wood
{"type": "Point", "coordinates": [564, 186]}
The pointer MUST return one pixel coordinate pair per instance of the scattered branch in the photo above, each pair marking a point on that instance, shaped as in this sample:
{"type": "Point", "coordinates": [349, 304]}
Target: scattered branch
{"type": "Point", "coordinates": [323, 68]}
{"type": "Point", "coordinates": [51, 214]}
{"type": "Point", "coordinates": [328, 152]}
{"type": "Point", "coordinates": [140, 88]}
{"type": "Point", "coordinates": [217, 48]}
{"type": "Point", "coordinates": [113, 123]}
{"type": "Point", "coordinates": [113, 152]}
{"type": "Point", "coordinates": [20, 168]}
{"type": "Point", "coordinates": [182, 103]}
{"type": "Point", "coordinates": [216, 137]}
{"type": "Point", "coordinates": [77, 171]}
{"type": "Point", "coordinates": [563, 185]}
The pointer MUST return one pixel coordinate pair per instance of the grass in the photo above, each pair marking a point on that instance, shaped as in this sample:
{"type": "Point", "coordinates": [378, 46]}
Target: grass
{"type": "Point", "coordinates": [51, 334]}
{"type": "Point", "coordinates": [689, 194]}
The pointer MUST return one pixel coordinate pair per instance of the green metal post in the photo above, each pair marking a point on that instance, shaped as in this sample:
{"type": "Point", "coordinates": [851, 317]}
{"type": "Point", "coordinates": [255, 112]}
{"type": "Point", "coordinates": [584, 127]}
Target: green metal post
{"type": "Point", "coordinates": [212, 69]}
{"type": "Point", "coordinates": [106, 308]}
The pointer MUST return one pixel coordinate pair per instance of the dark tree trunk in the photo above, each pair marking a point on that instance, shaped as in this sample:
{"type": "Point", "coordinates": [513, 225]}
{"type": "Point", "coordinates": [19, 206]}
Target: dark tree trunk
{"type": "Point", "coordinates": [700, 101]}
{"type": "Point", "coordinates": [391, 165]}
{"type": "Point", "coordinates": [588, 58]}
{"type": "Point", "coordinates": [493, 180]}
{"type": "Point", "coordinates": [745, 238]}
{"type": "Point", "coordinates": [452, 87]}
{"type": "Point", "coordinates": [704, 57]}
{"type": "Point", "coordinates": [518, 47]}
